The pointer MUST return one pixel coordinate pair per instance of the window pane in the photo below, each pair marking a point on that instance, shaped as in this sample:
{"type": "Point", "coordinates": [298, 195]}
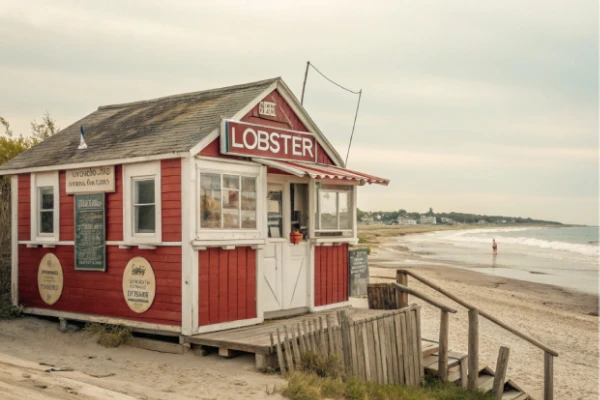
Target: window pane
{"type": "Point", "coordinates": [274, 213]}
{"type": "Point", "coordinates": [231, 199]}
{"type": "Point", "coordinates": [210, 201]}
{"type": "Point", "coordinates": [328, 203]}
{"type": "Point", "coordinates": [249, 219]}
{"type": "Point", "coordinates": [144, 192]}
{"type": "Point", "coordinates": [231, 182]}
{"type": "Point", "coordinates": [46, 198]}
{"type": "Point", "coordinates": [231, 218]}
{"type": "Point", "coordinates": [249, 184]}
{"type": "Point", "coordinates": [47, 222]}
{"type": "Point", "coordinates": [345, 209]}
{"type": "Point", "coordinates": [145, 219]}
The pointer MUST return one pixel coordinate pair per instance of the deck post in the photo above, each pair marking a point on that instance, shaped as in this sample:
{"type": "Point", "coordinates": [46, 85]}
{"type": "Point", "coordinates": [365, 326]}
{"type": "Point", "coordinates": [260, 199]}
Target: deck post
{"type": "Point", "coordinates": [443, 350]}
{"type": "Point", "coordinates": [473, 348]}
{"type": "Point", "coordinates": [548, 376]}
{"type": "Point", "coordinates": [401, 297]}
{"type": "Point", "coordinates": [501, 366]}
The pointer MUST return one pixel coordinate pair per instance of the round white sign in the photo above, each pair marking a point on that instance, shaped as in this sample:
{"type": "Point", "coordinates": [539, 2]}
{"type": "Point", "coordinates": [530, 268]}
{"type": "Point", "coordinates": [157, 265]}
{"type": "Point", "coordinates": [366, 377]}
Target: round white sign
{"type": "Point", "coordinates": [139, 284]}
{"type": "Point", "coordinates": [50, 279]}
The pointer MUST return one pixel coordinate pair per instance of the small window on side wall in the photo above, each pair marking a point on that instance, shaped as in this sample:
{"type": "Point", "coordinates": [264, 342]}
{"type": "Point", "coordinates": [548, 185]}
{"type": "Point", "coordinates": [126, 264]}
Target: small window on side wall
{"type": "Point", "coordinates": [334, 210]}
{"type": "Point", "coordinates": [142, 217]}
{"type": "Point", "coordinates": [44, 207]}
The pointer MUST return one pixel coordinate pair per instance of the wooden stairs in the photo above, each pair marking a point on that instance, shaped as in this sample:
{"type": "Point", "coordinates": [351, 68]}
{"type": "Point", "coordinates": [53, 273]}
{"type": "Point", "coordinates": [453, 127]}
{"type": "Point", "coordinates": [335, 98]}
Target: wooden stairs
{"type": "Point", "coordinates": [457, 372]}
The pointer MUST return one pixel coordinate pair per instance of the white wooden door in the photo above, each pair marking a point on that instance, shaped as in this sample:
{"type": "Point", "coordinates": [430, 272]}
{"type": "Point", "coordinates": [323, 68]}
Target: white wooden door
{"type": "Point", "coordinates": [284, 266]}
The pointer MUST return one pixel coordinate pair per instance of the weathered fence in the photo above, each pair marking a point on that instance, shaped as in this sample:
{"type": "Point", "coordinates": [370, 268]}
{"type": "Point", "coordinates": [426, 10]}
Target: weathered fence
{"type": "Point", "coordinates": [385, 349]}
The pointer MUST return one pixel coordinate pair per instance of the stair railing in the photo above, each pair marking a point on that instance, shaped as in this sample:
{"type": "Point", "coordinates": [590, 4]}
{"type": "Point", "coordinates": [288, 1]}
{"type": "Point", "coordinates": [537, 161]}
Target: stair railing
{"type": "Point", "coordinates": [474, 313]}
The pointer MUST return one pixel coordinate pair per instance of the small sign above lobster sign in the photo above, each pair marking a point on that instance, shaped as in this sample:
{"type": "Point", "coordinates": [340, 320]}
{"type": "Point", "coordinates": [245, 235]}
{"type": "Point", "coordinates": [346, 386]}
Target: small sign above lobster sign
{"type": "Point", "coordinates": [250, 140]}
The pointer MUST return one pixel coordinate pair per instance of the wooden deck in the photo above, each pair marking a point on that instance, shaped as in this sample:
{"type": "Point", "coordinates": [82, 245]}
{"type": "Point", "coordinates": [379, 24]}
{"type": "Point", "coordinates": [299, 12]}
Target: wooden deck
{"type": "Point", "coordinates": [256, 339]}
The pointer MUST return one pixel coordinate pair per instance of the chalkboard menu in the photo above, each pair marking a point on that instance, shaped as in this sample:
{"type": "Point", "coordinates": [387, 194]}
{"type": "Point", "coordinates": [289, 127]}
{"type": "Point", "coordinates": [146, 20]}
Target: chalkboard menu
{"type": "Point", "coordinates": [359, 271]}
{"type": "Point", "coordinates": [90, 236]}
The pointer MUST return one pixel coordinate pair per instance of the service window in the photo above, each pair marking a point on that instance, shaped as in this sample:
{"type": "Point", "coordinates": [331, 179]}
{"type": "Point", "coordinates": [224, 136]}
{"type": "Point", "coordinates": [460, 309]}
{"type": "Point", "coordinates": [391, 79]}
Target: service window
{"type": "Point", "coordinates": [228, 204]}
{"type": "Point", "coordinates": [142, 217]}
{"type": "Point", "coordinates": [45, 207]}
{"type": "Point", "coordinates": [334, 210]}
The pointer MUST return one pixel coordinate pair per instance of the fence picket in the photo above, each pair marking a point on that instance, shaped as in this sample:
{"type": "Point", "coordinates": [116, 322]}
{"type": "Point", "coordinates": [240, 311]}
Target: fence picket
{"type": "Point", "coordinates": [295, 348]}
{"type": "Point", "coordinates": [280, 354]}
{"type": "Point", "coordinates": [397, 323]}
{"type": "Point", "coordinates": [288, 350]}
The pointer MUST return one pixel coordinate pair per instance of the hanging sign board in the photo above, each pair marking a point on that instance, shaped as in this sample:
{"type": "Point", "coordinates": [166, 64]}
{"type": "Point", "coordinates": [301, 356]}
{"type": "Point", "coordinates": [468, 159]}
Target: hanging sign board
{"type": "Point", "coordinates": [50, 279]}
{"type": "Point", "coordinates": [90, 232]}
{"type": "Point", "coordinates": [358, 260]}
{"type": "Point", "coordinates": [139, 284]}
{"type": "Point", "coordinates": [91, 180]}
{"type": "Point", "coordinates": [250, 140]}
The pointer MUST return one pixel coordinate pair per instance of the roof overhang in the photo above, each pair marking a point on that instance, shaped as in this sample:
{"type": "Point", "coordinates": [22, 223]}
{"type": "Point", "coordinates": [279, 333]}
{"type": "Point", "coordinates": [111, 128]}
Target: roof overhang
{"type": "Point", "coordinates": [323, 172]}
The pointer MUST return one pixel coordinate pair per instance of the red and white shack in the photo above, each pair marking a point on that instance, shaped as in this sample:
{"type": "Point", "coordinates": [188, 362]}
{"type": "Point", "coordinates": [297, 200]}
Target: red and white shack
{"type": "Point", "coordinates": [184, 214]}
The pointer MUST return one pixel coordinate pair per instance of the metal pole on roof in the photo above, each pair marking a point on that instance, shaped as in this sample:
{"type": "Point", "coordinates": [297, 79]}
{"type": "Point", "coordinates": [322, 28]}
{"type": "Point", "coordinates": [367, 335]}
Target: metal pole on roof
{"type": "Point", "coordinates": [304, 84]}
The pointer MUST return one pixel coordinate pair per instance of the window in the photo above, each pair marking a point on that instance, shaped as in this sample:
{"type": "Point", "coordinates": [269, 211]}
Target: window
{"type": "Point", "coordinates": [227, 201]}
{"type": "Point", "coordinates": [44, 207]}
{"type": "Point", "coordinates": [144, 206]}
{"type": "Point", "coordinates": [334, 208]}
{"type": "Point", "coordinates": [142, 214]}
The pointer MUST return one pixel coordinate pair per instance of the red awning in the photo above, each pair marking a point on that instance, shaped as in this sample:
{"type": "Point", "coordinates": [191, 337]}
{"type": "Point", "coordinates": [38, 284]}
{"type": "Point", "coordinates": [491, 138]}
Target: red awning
{"type": "Point", "coordinates": [320, 171]}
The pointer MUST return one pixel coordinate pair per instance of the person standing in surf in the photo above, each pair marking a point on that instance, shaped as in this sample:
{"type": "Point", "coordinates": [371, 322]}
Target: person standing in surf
{"type": "Point", "coordinates": [494, 246]}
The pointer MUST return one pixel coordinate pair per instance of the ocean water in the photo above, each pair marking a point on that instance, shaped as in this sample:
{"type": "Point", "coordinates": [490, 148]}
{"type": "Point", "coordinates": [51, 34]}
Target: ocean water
{"type": "Point", "coordinates": [567, 257]}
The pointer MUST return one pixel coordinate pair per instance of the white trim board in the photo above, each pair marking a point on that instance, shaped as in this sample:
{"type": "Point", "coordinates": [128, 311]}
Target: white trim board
{"type": "Point", "coordinates": [63, 167]}
{"type": "Point", "coordinates": [101, 319]}
{"type": "Point", "coordinates": [14, 272]}
{"type": "Point", "coordinates": [330, 306]}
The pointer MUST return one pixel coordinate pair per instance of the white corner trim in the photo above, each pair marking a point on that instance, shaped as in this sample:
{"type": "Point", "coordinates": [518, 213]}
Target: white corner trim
{"type": "Point", "coordinates": [146, 247]}
{"type": "Point", "coordinates": [189, 258]}
{"type": "Point", "coordinates": [102, 163]}
{"type": "Point", "coordinates": [330, 306]}
{"type": "Point", "coordinates": [100, 319]}
{"type": "Point", "coordinates": [14, 261]}
{"type": "Point", "coordinates": [230, 325]}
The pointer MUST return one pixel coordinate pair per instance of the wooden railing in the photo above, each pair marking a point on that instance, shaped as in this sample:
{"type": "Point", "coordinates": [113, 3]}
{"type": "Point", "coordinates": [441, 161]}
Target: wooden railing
{"type": "Point", "coordinates": [473, 339]}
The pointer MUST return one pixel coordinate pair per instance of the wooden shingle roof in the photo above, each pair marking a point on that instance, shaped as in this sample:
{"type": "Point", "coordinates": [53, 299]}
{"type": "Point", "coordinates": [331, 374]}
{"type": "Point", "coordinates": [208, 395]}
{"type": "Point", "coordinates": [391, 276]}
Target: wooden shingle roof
{"type": "Point", "coordinates": [173, 124]}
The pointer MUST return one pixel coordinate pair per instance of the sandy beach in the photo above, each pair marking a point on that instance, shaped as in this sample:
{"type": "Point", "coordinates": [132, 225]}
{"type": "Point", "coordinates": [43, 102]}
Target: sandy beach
{"type": "Point", "coordinates": [564, 320]}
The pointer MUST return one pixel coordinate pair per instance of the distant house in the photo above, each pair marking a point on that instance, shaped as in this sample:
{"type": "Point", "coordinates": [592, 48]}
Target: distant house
{"type": "Point", "coordinates": [481, 222]}
{"type": "Point", "coordinates": [448, 221]}
{"type": "Point", "coordinates": [367, 220]}
{"type": "Point", "coordinates": [427, 220]}
{"type": "Point", "coordinates": [406, 221]}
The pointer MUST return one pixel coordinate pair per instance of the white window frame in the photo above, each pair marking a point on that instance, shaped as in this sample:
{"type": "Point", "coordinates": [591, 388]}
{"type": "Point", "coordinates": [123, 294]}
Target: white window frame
{"type": "Point", "coordinates": [131, 174]}
{"type": "Point", "coordinates": [40, 180]}
{"type": "Point", "coordinates": [250, 170]}
{"type": "Point", "coordinates": [352, 196]}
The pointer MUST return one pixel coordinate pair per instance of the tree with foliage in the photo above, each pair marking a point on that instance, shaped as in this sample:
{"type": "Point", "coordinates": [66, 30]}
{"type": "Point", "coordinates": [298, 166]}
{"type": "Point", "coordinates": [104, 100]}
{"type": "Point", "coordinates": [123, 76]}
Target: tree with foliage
{"type": "Point", "coordinates": [11, 146]}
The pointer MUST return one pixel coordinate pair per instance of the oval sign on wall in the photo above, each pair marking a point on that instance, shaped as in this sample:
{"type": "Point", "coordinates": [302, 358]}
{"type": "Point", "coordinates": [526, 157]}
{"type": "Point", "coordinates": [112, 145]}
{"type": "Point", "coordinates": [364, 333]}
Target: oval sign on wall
{"type": "Point", "coordinates": [50, 279]}
{"type": "Point", "coordinates": [139, 284]}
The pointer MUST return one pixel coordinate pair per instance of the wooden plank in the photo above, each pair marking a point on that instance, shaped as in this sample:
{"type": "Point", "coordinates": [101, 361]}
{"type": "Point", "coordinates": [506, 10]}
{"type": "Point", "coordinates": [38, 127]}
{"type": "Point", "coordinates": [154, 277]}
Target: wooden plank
{"type": "Point", "coordinates": [391, 344]}
{"type": "Point", "coordinates": [473, 343]}
{"type": "Point", "coordinates": [443, 350]}
{"type": "Point", "coordinates": [288, 350]}
{"type": "Point", "coordinates": [501, 366]}
{"type": "Point", "coordinates": [548, 376]}
{"type": "Point", "coordinates": [157, 345]}
{"type": "Point", "coordinates": [311, 338]}
{"type": "Point", "coordinates": [338, 344]}
{"type": "Point", "coordinates": [463, 371]}
{"type": "Point", "coordinates": [406, 339]}
{"type": "Point", "coordinates": [394, 353]}
{"type": "Point", "coordinates": [330, 340]}
{"type": "Point", "coordinates": [419, 345]}
{"type": "Point", "coordinates": [295, 348]}
{"type": "Point", "coordinates": [307, 336]}
{"type": "Point", "coordinates": [300, 335]}
{"type": "Point", "coordinates": [423, 297]}
{"type": "Point", "coordinates": [485, 382]}
{"type": "Point", "coordinates": [365, 352]}
{"type": "Point", "coordinates": [279, 354]}
{"type": "Point", "coordinates": [322, 338]}
{"type": "Point", "coordinates": [358, 349]}
{"type": "Point", "coordinates": [415, 347]}
{"type": "Point", "coordinates": [373, 355]}
{"type": "Point", "coordinates": [379, 353]}
{"type": "Point", "coordinates": [399, 336]}
{"type": "Point", "coordinates": [353, 352]}
{"type": "Point", "coordinates": [401, 297]}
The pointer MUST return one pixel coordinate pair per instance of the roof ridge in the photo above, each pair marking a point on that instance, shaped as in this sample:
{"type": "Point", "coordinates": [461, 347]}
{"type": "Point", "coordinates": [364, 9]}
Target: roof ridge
{"type": "Point", "coordinates": [191, 94]}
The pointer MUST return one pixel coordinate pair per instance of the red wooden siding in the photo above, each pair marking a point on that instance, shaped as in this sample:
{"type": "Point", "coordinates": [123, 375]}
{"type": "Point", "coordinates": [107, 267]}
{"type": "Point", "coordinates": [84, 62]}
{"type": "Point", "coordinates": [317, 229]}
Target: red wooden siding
{"type": "Point", "coordinates": [24, 207]}
{"type": "Point", "coordinates": [171, 200]}
{"type": "Point", "coordinates": [101, 293]}
{"type": "Point", "coordinates": [331, 274]}
{"type": "Point", "coordinates": [227, 281]}
{"type": "Point", "coordinates": [67, 213]}
{"type": "Point", "coordinates": [114, 208]}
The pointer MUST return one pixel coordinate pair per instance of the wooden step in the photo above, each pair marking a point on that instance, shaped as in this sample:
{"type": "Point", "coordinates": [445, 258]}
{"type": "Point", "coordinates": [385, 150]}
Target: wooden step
{"type": "Point", "coordinates": [514, 395]}
{"type": "Point", "coordinates": [485, 382]}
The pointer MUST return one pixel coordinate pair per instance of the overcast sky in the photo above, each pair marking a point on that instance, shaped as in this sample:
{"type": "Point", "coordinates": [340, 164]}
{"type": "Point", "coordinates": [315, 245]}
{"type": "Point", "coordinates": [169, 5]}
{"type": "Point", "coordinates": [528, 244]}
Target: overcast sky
{"type": "Point", "coordinates": [471, 106]}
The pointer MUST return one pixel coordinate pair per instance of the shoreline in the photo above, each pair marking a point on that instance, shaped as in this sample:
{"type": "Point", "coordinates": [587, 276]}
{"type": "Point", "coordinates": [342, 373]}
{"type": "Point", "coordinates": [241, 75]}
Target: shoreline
{"type": "Point", "coordinates": [565, 320]}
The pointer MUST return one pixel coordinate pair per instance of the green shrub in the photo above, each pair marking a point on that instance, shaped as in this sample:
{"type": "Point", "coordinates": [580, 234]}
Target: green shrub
{"type": "Point", "coordinates": [109, 335]}
{"type": "Point", "coordinates": [8, 310]}
{"type": "Point", "coordinates": [325, 367]}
